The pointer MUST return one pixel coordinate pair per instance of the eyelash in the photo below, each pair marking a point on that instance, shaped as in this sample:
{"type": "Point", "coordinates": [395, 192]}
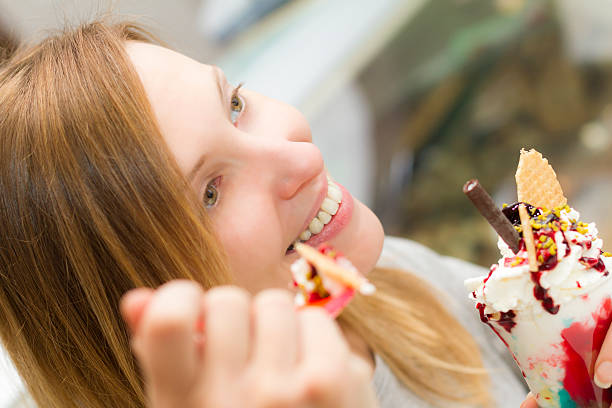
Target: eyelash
{"type": "Point", "coordinates": [237, 105]}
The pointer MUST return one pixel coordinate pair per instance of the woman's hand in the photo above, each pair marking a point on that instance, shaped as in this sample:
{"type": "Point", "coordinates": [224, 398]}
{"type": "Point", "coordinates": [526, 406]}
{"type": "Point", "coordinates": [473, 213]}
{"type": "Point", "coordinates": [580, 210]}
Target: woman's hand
{"type": "Point", "coordinates": [603, 369]}
{"type": "Point", "coordinates": [223, 349]}
{"type": "Point", "coordinates": [603, 365]}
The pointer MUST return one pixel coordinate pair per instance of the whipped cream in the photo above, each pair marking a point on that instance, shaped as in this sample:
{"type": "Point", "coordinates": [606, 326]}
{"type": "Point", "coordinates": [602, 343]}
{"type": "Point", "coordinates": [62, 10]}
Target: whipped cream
{"type": "Point", "coordinates": [570, 262]}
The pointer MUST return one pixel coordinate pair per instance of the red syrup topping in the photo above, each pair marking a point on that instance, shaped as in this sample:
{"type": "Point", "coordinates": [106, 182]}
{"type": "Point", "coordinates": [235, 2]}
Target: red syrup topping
{"type": "Point", "coordinates": [328, 250]}
{"type": "Point", "coordinates": [512, 214]}
{"type": "Point", "coordinates": [507, 320]}
{"type": "Point", "coordinates": [581, 343]}
{"type": "Point", "coordinates": [509, 323]}
{"type": "Point", "coordinates": [595, 263]}
{"type": "Point", "coordinates": [314, 296]}
{"type": "Point", "coordinates": [542, 294]}
{"type": "Point", "coordinates": [483, 316]}
{"type": "Point", "coordinates": [485, 319]}
{"type": "Point", "coordinates": [493, 268]}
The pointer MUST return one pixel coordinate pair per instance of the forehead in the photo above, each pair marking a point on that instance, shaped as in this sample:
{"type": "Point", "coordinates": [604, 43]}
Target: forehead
{"type": "Point", "coordinates": [184, 96]}
{"type": "Point", "coordinates": [169, 74]}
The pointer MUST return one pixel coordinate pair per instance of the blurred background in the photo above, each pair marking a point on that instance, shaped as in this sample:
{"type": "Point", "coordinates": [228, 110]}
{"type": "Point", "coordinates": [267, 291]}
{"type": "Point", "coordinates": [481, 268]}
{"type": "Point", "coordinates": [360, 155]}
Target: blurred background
{"type": "Point", "coordinates": [407, 99]}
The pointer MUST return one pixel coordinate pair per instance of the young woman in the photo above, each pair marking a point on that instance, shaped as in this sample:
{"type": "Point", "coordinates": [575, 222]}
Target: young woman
{"type": "Point", "coordinates": [126, 165]}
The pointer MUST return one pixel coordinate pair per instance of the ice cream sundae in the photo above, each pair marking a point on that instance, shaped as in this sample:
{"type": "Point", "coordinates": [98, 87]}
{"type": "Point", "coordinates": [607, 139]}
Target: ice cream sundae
{"type": "Point", "coordinates": [548, 298]}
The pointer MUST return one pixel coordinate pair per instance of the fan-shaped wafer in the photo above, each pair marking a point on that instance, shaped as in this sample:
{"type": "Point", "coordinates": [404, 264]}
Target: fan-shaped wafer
{"type": "Point", "coordinates": [536, 181]}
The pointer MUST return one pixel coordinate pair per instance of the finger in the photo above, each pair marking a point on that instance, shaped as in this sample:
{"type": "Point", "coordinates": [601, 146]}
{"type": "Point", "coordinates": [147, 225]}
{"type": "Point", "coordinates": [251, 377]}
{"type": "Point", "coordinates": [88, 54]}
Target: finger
{"type": "Point", "coordinates": [603, 365]}
{"type": "Point", "coordinates": [361, 367]}
{"type": "Point", "coordinates": [132, 304]}
{"type": "Point", "coordinates": [321, 338]}
{"type": "Point", "coordinates": [164, 342]}
{"type": "Point", "coordinates": [324, 357]}
{"type": "Point", "coordinates": [529, 402]}
{"type": "Point", "coordinates": [227, 331]}
{"type": "Point", "coordinates": [363, 394]}
{"type": "Point", "coordinates": [275, 330]}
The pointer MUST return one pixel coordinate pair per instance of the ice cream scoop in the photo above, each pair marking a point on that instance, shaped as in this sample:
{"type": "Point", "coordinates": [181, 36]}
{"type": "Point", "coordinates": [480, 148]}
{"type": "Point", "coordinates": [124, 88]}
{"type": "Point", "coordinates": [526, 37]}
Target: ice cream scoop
{"type": "Point", "coordinates": [569, 259]}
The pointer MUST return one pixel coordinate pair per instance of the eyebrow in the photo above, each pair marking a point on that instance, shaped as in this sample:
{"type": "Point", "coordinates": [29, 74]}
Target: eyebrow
{"type": "Point", "coordinates": [219, 82]}
{"type": "Point", "coordinates": [196, 168]}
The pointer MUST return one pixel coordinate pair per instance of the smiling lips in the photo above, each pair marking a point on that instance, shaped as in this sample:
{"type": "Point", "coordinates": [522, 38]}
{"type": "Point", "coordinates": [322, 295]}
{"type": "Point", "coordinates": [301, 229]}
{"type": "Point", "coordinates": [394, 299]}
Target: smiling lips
{"type": "Point", "coordinates": [334, 213]}
{"type": "Point", "coordinates": [329, 208]}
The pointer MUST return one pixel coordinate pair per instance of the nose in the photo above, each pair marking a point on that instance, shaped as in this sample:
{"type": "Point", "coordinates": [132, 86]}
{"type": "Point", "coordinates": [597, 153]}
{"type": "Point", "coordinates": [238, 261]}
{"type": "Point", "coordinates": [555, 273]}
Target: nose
{"type": "Point", "coordinates": [298, 129]}
{"type": "Point", "coordinates": [296, 165]}
{"type": "Point", "coordinates": [284, 134]}
{"type": "Point", "coordinates": [270, 118]}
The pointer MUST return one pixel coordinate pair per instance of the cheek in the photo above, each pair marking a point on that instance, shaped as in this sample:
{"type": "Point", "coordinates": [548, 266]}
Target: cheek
{"type": "Point", "coordinates": [361, 241]}
{"type": "Point", "coordinates": [252, 247]}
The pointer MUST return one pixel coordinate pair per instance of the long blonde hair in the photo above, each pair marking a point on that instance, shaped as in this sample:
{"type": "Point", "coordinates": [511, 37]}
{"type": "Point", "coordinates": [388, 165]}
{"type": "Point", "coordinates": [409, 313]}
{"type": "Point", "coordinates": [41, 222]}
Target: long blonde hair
{"type": "Point", "coordinates": [93, 204]}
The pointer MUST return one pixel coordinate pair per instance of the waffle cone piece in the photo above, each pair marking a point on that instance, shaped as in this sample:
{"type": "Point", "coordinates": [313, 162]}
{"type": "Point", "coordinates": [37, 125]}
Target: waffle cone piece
{"type": "Point", "coordinates": [536, 181]}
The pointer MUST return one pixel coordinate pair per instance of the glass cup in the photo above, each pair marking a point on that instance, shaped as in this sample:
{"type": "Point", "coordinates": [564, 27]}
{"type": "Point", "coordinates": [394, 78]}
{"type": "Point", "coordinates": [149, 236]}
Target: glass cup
{"type": "Point", "coordinates": [557, 352]}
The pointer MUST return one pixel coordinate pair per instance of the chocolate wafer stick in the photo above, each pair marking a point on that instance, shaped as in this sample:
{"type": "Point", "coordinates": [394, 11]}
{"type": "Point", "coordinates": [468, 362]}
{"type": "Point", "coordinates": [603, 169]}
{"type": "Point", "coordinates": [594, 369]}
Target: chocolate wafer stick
{"type": "Point", "coordinates": [485, 205]}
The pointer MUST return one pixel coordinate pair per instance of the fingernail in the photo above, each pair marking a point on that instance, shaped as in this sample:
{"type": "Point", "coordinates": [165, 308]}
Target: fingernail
{"type": "Point", "coordinates": [132, 304]}
{"type": "Point", "coordinates": [603, 375]}
{"type": "Point", "coordinates": [124, 303]}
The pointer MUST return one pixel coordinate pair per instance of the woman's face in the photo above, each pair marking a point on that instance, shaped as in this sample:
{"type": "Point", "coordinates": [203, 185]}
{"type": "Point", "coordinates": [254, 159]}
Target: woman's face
{"type": "Point", "coordinates": [252, 162]}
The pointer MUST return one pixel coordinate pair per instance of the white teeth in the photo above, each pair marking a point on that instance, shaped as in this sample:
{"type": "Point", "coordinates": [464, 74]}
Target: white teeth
{"type": "Point", "coordinates": [334, 193]}
{"type": "Point", "coordinates": [324, 217]}
{"type": "Point", "coordinates": [315, 226]}
{"type": "Point", "coordinates": [305, 236]}
{"type": "Point", "coordinates": [329, 206]}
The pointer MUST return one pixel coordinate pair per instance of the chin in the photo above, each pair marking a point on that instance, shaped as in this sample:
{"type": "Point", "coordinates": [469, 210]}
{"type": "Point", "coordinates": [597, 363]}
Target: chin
{"type": "Point", "coordinates": [362, 238]}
